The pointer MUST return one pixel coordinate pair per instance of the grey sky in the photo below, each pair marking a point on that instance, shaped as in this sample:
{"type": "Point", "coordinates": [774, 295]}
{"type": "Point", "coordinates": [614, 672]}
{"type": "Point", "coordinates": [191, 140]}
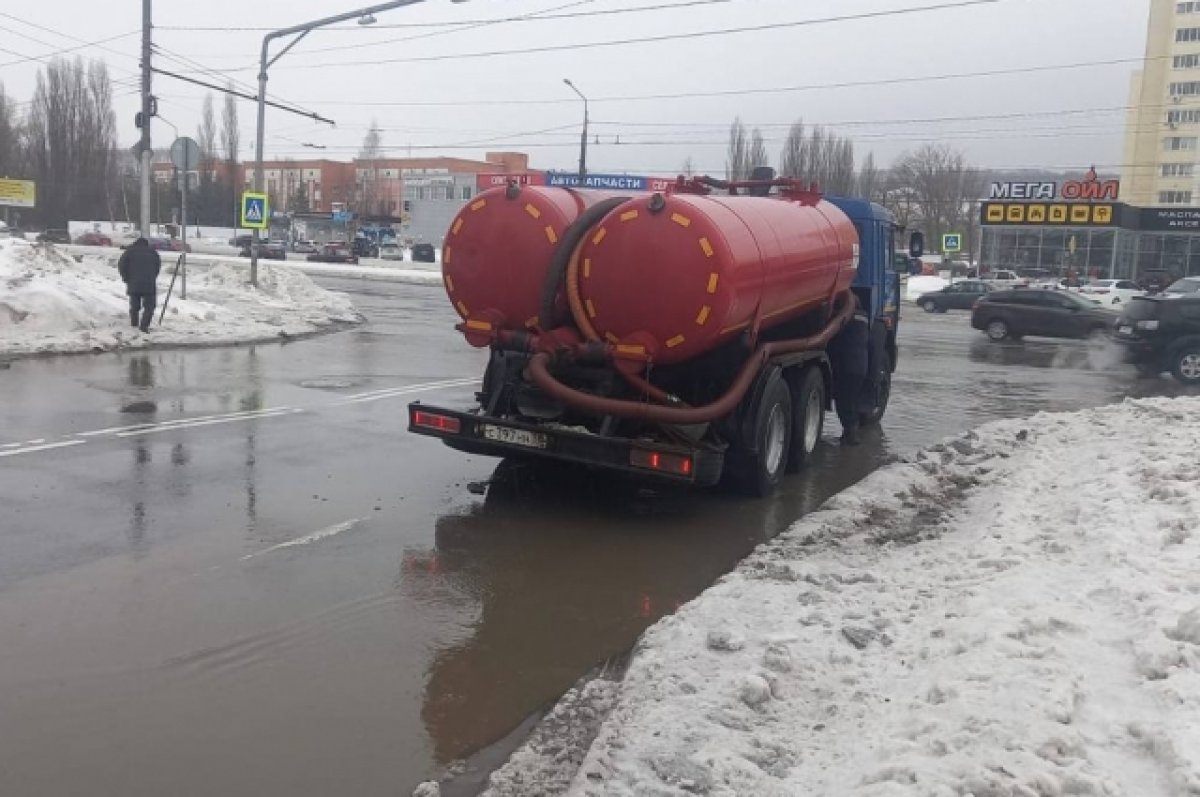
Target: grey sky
{"type": "Point", "coordinates": [1005, 35]}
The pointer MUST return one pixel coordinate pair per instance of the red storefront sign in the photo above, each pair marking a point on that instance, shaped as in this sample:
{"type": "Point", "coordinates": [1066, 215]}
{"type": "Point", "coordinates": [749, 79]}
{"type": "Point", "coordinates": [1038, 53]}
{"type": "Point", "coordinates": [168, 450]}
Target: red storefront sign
{"type": "Point", "coordinates": [496, 179]}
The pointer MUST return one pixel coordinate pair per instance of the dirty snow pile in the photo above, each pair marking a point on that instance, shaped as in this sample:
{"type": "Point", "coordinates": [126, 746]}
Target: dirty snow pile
{"type": "Point", "coordinates": [1013, 613]}
{"type": "Point", "coordinates": [49, 303]}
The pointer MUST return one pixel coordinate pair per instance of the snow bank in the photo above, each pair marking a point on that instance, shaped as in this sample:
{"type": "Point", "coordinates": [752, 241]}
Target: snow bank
{"type": "Point", "coordinates": [1015, 613]}
{"type": "Point", "coordinates": [51, 304]}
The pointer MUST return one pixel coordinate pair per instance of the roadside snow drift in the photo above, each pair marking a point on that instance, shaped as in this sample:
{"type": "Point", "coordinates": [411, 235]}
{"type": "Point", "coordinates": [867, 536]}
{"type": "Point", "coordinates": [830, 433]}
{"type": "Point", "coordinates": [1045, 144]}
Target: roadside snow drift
{"type": "Point", "coordinates": [1015, 613]}
{"type": "Point", "coordinates": [51, 304]}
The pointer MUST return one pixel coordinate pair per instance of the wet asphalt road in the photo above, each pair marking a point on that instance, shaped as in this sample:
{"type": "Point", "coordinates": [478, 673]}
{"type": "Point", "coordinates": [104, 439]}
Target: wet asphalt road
{"type": "Point", "coordinates": [231, 571]}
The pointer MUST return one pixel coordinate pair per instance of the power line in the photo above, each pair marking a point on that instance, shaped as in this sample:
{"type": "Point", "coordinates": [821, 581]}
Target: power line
{"type": "Point", "coordinates": [244, 96]}
{"type": "Point", "coordinates": [461, 23]}
{"type": "Point", "coordinates": [647, 39]}
{"type": "Point", "coordinates": [22, 58]}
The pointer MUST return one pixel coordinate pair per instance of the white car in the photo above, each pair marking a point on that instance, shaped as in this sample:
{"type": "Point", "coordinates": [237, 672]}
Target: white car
{"type": "Point", "coordinates": [391, 252]}
{"type": "Point", "coordinates": [1111, 292]}
{"type": "Point", "coordinates": [1188, 286]}
{"type": "Point", "coordinates": [1004, 279]}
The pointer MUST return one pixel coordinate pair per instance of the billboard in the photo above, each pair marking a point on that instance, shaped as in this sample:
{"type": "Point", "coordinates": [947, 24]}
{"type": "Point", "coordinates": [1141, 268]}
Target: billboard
{"type": "Point", "coordinates": [18, 193]}
{"type": "Point", "coordinates": [1051, 214]}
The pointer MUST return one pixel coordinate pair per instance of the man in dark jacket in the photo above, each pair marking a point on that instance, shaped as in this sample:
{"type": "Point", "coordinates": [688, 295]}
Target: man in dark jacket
{"type": "Point", "coordinates": [849, 358]}
{"type": "Point", "coordinates": [139, 267]}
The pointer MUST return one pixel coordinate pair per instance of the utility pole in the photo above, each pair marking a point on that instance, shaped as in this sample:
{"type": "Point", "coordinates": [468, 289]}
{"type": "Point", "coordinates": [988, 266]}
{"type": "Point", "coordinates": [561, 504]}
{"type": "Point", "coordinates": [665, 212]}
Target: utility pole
{"type": "Point", "coordinates": [583, 139]}
{"type": "Point", "coordinates": [146, 154]}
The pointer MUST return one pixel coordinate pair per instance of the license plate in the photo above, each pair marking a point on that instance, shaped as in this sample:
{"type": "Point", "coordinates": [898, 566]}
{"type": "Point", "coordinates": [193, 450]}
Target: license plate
{"type": "Point", "coordinates": [1124, 329]}
{"type": "Point", "coordinates": [516, 437]}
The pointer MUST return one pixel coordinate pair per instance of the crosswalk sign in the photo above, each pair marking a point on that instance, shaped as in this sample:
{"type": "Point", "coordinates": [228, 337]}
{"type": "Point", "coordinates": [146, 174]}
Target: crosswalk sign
{"type": "Point", "coordinates": [951, 242]}
{"type": "Point", "coordinates": [256, 213]}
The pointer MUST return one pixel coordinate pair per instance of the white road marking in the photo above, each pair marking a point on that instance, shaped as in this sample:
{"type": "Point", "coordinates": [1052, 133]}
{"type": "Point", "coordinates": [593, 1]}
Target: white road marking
{"type": "Point", "coordinates": [309, 539]}
{"type": "Point", "coordinates": [12, 445]}
{"type": "Point", "coordinates": [30, 449]}
{"type": "Point", "coordinates": [37, 442]}
{"type": "Point", "coordinates": [177, 422]}
{"type": "Point", "coordinates": [212, 422]}
{"type": "Point", "coordinates": [405, 391]}
{"type": "Point", "coordinates": [410, 388]}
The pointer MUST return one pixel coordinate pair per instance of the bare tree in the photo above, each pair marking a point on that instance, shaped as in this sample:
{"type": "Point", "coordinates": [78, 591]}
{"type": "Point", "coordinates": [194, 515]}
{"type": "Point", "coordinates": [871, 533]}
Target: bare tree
{"type": "Point", "coordinates": [71, 141]}
{"type": "Point", "coordinates": [868, 183]}
{"type": "Point", "coordinates": [941, 189]}
{"type": "Point", "coordinates": [10, 145]}
{"type": "Point", "coordinates": [210, 195]}
{"type": "Point", "coordinates": [368, 156]}
{"type": "Point", "coordinates": [793, 160]}
{"type": "Point", "coordinates": [758, 151]}
{"type": "Point", "coordinates": [737, 154]}
{"type": "Point", "coordinates": [231, 140]}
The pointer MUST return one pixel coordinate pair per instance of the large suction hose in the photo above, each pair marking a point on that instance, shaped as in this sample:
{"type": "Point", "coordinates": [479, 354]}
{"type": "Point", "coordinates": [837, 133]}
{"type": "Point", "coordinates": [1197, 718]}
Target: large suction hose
{"type": "Point", "coordinates": [562, 257]}
{"type": "Point", "coordinates": [539, 371]}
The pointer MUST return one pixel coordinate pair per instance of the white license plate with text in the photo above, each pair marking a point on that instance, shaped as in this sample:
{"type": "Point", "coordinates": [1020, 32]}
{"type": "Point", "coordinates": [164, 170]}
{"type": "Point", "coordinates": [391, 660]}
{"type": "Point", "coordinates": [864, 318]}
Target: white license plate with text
{"type": "Point", "coordinates": [516, 437]}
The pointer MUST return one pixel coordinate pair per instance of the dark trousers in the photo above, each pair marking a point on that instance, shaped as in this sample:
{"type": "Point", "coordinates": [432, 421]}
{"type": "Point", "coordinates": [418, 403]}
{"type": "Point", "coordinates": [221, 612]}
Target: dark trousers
{"type": "Point", "coordinates": [847, 398]}
{"type": "Point", "coordinates": [142, 303]}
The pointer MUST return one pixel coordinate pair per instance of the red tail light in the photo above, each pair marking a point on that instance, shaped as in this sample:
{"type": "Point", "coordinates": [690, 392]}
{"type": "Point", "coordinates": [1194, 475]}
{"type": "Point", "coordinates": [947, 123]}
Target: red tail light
{"type": "Point", "coordinates": [656, 460]}
{"type": "Point", "coordinates": [441, 423]}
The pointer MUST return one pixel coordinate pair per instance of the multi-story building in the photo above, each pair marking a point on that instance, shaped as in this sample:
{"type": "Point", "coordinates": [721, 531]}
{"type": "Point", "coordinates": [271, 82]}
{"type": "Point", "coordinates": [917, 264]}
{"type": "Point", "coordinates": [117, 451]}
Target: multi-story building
{"type": "Point", "coordinates": [1162, 136]}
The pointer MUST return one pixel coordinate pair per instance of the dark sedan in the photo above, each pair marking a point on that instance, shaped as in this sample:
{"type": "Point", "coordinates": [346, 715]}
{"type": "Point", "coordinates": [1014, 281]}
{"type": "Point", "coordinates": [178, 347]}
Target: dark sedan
{"type": "Point", "coordinates": [959, 296]}
{"type": "Point", "coordinates": [1043, 313]}
{"type": "Point", "coordinates": [54, 237]}
{"type": "Point", "coordinates": [267, 250]}
{"type": "Point", "coordinates": [334, 253]}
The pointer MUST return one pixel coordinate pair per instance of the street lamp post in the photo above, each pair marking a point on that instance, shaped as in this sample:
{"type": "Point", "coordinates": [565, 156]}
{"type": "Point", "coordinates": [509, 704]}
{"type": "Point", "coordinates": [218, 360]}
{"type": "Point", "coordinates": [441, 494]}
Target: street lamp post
{"type": "Point", "coordinates": [583, 139]}
{"type": "Point", "coordinates": [365, 16]}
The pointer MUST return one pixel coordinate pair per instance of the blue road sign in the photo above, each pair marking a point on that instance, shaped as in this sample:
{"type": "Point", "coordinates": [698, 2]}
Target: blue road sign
{"type": "Point", "coordinates": [951, 242]}
{"type": "Point", "coordinates": [256, 213]}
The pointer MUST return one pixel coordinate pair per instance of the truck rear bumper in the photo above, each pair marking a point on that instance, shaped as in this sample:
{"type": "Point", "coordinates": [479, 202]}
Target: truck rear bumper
{"type": "Point", "coordinates": [495, 437]}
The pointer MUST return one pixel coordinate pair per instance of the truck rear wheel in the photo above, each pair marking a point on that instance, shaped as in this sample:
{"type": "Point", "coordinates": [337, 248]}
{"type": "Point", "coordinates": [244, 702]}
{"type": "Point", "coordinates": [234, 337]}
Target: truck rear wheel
{"type": "Point", "coordinates": [758, 470]}
{"type": "Point", "coordinates": [808, 416]}
{"type": "Point", "coordinates": [882, 394]}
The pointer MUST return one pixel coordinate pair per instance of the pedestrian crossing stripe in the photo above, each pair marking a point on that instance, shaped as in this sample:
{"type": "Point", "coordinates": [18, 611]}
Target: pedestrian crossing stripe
{"type": "Point", "coordinates": [255, 211]}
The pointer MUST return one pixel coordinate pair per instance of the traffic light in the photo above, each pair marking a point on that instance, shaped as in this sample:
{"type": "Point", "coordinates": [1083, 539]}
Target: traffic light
{"type": "Point", "coordinates": [407, 206]}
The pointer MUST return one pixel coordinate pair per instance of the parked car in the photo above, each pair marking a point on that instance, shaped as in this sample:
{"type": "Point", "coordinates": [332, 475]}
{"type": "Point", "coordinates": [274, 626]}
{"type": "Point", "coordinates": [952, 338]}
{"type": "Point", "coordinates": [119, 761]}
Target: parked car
{"type": "Point", "coordinates": [267, 250]}
{"type": "Point", "coordinates": [1183, 287]}
{"type": "Point", "coordinates": [94, 239]}
{"type": "Point", "coordinates": [54, 237]}
{"type": "Point", "coordinates": [304, 248]}
{"type": "Point", "coordinates": [1031, 311]}
{"type": "Point", "coordinates": [1111, 291]}
{"type": "Point", "coordinates": [161, 244]}
{"type": "Point", "coordinates": [391, 252]}
{"type": "Point", "coordinates": [1003, 279]}
{"type": "Point", "coordinates": [1155, 281]}
{"type": "Point", "coordinates": [424, 253]}
{"type": "Point", "coordinates": [334, 253]}
{"type": "Point", "coordinates": [1162, 334]}
{"type": "Point", "coordinates": [959, 296]}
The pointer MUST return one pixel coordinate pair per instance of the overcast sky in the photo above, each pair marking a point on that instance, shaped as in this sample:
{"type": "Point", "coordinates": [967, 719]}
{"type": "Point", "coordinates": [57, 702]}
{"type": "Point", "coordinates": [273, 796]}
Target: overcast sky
{"type": "Point", "coordinates": [357, 75]}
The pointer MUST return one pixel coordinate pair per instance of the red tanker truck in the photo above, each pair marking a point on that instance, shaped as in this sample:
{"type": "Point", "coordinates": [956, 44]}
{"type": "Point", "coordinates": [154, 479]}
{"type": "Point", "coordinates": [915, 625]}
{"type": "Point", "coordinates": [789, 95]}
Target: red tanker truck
{"type": "Point", "coordinates": [677, 336]}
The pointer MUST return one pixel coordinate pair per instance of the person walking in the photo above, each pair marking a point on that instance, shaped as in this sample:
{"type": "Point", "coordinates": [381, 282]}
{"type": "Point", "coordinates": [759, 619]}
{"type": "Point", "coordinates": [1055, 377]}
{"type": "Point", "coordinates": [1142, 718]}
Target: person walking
{"type": "Point", "coordinates": [139, 267]}
{"type": "Point", "coordinates": [849, 358]}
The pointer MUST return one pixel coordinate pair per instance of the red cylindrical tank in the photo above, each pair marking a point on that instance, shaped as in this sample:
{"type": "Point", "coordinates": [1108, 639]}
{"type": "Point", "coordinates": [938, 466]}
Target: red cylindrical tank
{"type": "Point", "coordinates": [684, 277]}
{"type": "Point", "coordinates": [498, 249]}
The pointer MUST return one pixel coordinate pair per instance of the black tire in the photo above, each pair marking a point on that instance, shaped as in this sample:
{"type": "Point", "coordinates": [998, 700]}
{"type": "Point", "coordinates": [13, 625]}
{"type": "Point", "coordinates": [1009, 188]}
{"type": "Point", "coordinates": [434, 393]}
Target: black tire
{"type": "Point", "coordinates": [997, 330]}
{"type": "Point", "coordinates": [1185, 364]}
{"type": "Point", "coordinates": [929, 306]}
{"type": "Point", "coordinates": [808, 415]}
{"type": "Point", "coordinates": [882, 396]}
{"type": "Point", "coordinates": [758, 470]}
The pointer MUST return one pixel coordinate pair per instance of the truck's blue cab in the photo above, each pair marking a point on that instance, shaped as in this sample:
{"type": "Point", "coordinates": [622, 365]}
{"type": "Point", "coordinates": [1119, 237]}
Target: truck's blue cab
{"type": "Point", "coordinates": [877, 287]}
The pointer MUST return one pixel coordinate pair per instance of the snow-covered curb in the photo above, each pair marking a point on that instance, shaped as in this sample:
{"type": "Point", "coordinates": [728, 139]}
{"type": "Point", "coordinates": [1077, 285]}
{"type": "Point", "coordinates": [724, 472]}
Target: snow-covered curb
{"type": "Point", "coordinates": [1015, 612]}
{"type": "Point", "coordinates": [50, 304]}
{"type": "Point", "coordinates": [413, 274]}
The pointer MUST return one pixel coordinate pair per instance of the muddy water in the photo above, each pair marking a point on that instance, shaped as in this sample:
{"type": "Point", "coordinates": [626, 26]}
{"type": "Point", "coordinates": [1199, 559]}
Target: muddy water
{"type": "Point", "coordinates": [155, 638]}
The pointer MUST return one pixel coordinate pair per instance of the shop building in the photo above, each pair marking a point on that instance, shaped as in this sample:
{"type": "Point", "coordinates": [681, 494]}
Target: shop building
{"type": "Point", "coordinates": [1081, 226]}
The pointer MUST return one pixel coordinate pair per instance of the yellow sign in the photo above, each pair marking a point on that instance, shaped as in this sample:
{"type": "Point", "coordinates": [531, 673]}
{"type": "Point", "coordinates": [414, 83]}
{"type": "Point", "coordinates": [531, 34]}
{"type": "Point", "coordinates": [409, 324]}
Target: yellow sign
{"type": "Point", "coordinates": [1034, 214]}
{"type": "Point", "coordinates": [256, 211]}
{"type": "Point", "coordinates": [18, 193]}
